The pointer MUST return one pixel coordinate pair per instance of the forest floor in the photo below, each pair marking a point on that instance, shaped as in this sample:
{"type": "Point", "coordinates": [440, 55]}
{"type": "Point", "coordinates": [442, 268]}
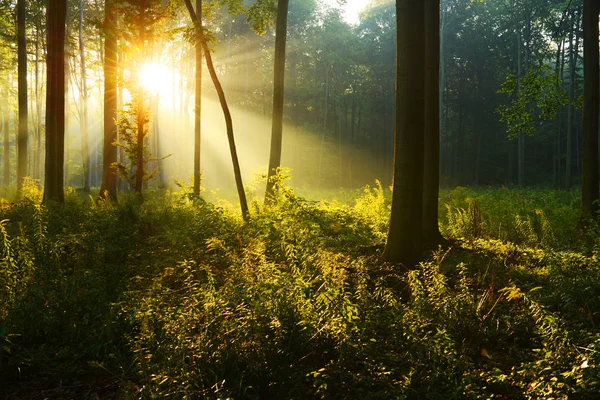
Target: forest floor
{"type": "Point", "coordinates": [176, 297]}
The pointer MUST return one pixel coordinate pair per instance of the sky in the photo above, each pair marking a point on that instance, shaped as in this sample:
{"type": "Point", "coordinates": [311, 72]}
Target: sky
{"type": "Point", "coordinates": [351, 9]}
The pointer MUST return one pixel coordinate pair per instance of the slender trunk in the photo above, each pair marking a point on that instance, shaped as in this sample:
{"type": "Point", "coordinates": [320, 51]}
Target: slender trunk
{"type": "Point", "coordinates": [5, 128]}
{"type": "Point", "coordinates": [431, 171]}
{"type": "Point", "coordinates": [198, 105]}
{"type": "Point", "coordinates": [324, 125]}
{"type": "Point", "coordinates": [521, 134]}
{"type": "Point", "coordinates": [38, 109]}
{"type": "Point", "coordinates": [22, 88]}
{"type": "Point", "coordinates": [573, 56]}
{"type": "Point", "coordinates": [278, 92]}
{"type": "Point", "coordinates": [227, 114]}
{"type": "Point", "coordinates": [55, 101]}
{"type": "Point", "coordinates": [85, 148]}
{"type": "Point", "coordinates": [591, 102]}
{"type": "Point", "coordinates": [108, 188]}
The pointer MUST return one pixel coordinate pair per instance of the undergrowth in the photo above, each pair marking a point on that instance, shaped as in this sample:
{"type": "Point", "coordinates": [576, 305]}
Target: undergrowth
{"type": "Point", "coordinates": [177, 298]}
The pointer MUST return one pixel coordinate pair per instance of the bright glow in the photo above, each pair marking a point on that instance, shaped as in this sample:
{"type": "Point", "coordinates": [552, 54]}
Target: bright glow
{"type": "Point", "coordinates": [155, 78]}
{"type": "Point", "coordinates": [351, 9]}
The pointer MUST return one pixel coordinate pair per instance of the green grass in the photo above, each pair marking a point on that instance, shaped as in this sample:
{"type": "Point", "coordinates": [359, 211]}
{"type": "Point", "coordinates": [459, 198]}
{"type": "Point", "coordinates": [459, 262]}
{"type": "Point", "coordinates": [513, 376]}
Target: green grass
{"type": "Point", "coordinates": [178, 298]}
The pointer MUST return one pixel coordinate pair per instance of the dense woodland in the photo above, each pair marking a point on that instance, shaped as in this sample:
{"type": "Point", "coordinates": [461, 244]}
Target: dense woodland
{"type": "Point", "coordinates": [287, 199]}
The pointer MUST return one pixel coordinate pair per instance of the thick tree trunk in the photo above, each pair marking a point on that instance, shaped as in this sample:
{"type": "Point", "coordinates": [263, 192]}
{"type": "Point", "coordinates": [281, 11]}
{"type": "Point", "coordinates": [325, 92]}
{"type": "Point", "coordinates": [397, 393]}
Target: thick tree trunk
{"type": "Point", "coordinates": [108, 189]}
{"type": "Point", "coordinates": [198, 105]}
{"type": "Point", "coordinates": [404, 241]}
{"type": "Point", "coordinates": [278, 86]}
{"type": "Point", "coordinates": [22, 88]}
{"type": "Point", "coordinates": [85, 147]}
{"type": "Point", "coordinates": [431, 173]}
{"type": "Point", "coordinates": [55, 101]}
{"type": "Point", "coordinates": [228, 120]}
{"type": "Point", "coordinates": [591, 102]}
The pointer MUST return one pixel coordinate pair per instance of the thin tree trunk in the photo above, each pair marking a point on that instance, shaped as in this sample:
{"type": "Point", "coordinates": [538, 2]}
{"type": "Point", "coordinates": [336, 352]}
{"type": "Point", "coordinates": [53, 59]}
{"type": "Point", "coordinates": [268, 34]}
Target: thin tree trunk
{"type": "Point", "coordinates": [38, 109]}
{"type": "Point", "coordinates": [5, 128]}
{"type": "Point", "coordinates": [278, 92]}
{"type": "Point", "coordinates": [108, 189]}
{"type": "Point", "coordinates": [324, 125]}
{"type": "Point", "coordinates": [431, 172]}
{"type": "Point", "coordinates": [228, 121]}
{"type": "Point", "coordinates": [573, 55]}
{"type": "Point", "coordinates": [85, 147]}
{"type": "Point", "coordinates": [22, 88]}
{"type": "Point", "coordinates": [55, 101]}
{"type": "Point", "coordinates": [198, 105]}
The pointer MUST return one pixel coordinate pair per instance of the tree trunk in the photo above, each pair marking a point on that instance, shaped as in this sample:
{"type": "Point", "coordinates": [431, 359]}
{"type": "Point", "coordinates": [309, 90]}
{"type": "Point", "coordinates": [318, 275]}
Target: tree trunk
{"type": "Point", "coordinates": [228, 121]}
{"type": "Point", "coordinates": [5, 128]}
{"type": "Point", "coordinates": [85, 148]}
{"type": "Point", "coordinates": [404, 241]}
{"type": "Point", "coordinates": [108, 189]}
{"type": "Point", "coordinates": [55, 101]}
{"type": "Point", "coordinates": [22, 88]}
{"type": "Point", "coordinates": [38, 109]}
{"type": "Point", "coordinates": [198, 105]}
{"type": "Point", "coordinates": [573, 55]}
{"type": "Point", "coordinates": [431, 173]}
{"type": "Point", "coordinates": [278, 86]}
{"type": "Point", "coordinates": [591, 102]}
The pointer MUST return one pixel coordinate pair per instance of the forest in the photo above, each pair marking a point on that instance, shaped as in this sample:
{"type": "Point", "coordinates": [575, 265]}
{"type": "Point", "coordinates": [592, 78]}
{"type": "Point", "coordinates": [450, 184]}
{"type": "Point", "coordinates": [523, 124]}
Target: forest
{"type": "Point", "coordinates": [298, 199]}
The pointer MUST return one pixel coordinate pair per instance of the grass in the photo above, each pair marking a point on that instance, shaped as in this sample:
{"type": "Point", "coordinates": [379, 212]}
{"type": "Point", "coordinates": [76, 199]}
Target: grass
{"type": "Point", "coordinates": [176, 297]}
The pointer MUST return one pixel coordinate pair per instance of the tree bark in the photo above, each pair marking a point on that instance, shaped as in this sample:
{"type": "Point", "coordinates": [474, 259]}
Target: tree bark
{"type": "Point", "coordinates": [198, 105]}
{"type": "Point", "coordinates": [85, 148]}
{"type": "Point", "coordinates": [5, 128]}
{"type": "Point", "coordinates": [573, 56]}
{"type": "Point", "coordinates": [227, 114]}
{"type": "Point", "coordinates": [55, 101]}
{"type": "Point", "coordinates": [431, 172]}
{"type": "Point", "coordinates": [404, 241]}
{"type": "Point", "coordinates": [108, 189]}
{"type": "Point", "coordinates": [278, 86]}
{"type": "Point", "coordinates": [22, 89]}
{"type": "Point", "coordinates": [591, 101]}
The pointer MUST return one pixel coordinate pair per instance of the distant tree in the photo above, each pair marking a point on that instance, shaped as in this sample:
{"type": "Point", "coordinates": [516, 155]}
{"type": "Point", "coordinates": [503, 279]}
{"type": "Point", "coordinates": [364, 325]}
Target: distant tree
{"type": "Point", "coordinates": [404, 239]}
{"type": "Point", "coordinates": [278, 86]}
{"type": "Point", "coordinates": [22, 89]}
{"type": "Point", "coordinates": [55, 101]}
{"type": "Point", "coordinates": [198, 104]}
{"type": "Point", "coordinates": [85, 149]}
{"type": "Point", "coordinates": [590, 192]}
{"type": "Point", "coordinates": [108, 189]}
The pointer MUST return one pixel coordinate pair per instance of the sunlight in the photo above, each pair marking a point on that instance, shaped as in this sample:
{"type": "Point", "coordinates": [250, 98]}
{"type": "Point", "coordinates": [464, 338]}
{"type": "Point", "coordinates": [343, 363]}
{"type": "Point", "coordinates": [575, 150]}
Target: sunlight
{"type": "Point", "coordinates": [155, 77]}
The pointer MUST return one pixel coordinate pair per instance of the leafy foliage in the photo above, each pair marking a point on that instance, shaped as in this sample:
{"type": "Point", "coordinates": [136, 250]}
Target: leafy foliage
{"type": "Point", "coordinates": [176, 297]}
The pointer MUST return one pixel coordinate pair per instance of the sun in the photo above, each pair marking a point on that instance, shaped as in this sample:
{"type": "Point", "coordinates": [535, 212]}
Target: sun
{"type": "Point", "coordinates": [154, 77]}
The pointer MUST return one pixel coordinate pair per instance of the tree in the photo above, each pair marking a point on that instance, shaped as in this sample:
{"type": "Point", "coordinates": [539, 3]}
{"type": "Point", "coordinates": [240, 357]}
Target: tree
{"type": "Point", "coordinates": [55, 101]}
{"type": "Point", "coordinates": [85, 150]}
{"type": "Point", "coordinates": [431, 171]}
{"type": "Point", "coordinates": [198, 105]}
{"type": "Point", "coordinates": [227, 114]}
{"type": "Point", "coordinates": [590, 192]}
{"type": "Point", "coordinates": [108, 189]}
{"type": "Point", "coordinates": [404, 240]}
{"type": "Point", "coordinates": [278, 85]}
{"type": "Point", "coordinates": [22, 72]}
